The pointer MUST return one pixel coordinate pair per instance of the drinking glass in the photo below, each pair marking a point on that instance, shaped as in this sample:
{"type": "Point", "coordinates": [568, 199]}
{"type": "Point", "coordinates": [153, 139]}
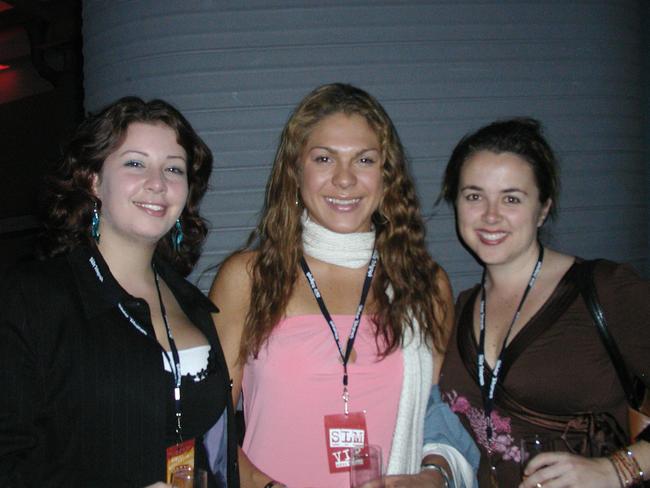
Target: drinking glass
{"type": "Point", "coordinates": [531, 446]}
{"type": "Point", "coordinates": [190, 478]}
{"type": "Point", "coordinates": [366, 467]}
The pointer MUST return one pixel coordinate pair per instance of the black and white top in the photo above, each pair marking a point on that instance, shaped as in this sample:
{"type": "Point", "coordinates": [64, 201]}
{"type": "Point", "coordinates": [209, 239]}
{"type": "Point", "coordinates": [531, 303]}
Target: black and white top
{"type": "Point", "coordinates": [86, 400]}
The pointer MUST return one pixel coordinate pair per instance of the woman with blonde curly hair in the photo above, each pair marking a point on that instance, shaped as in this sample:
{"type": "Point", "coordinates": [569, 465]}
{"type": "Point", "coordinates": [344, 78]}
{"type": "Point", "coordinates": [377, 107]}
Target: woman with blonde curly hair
{"type": "Point", "coordinates": [341, 220]}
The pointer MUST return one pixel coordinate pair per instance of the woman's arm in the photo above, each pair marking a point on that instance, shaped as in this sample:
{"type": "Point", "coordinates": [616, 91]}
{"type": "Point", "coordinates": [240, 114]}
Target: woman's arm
{"type": "Point", "coordinates": [230, 292]}
{"type": "Point", "coordinates": [21, 382]}
{"type": "Point", "coordinates": [572, 471]}
{"type": "Point", "coordinates": [440, 442]}
{"type": "Point", "coordinates": [447, 443]}
{"type": "Point", "coordinates": [445, 436]}
{"type": "Point", "coordinates": [624, 299]}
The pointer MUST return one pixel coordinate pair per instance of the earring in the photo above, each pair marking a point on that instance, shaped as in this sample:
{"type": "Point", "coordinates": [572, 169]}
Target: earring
{"type": "Point", "coordinates": [94, 225]}
{"type": "Point", "coordinates": [379, 218]}
{"type": "Point", "coordinates": [297, 198]}
{"type": "Point", "coordinates": [177, 235]}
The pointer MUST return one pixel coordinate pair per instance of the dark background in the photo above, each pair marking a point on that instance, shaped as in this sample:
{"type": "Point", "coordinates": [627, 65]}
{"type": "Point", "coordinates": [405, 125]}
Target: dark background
{"type": "Point", "coordinates": [41, 101]}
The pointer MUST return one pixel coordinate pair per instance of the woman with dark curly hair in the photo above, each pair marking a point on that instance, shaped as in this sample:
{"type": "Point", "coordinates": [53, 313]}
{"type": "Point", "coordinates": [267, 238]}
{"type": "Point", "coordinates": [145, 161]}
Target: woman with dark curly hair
{"type": "Point", "coordinates": [111, 370]}
{"type": "Point", "coordinates": [341, 220]}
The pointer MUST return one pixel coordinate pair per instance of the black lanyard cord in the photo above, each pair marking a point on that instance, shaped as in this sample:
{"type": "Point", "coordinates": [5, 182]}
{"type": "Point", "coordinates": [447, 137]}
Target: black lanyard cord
{"type": "Point", "coordinates": [345, 356]}
{"type": "Point", "coordinates": [487, 391]}
{"type": "Point", "coordinates": [176, 365]}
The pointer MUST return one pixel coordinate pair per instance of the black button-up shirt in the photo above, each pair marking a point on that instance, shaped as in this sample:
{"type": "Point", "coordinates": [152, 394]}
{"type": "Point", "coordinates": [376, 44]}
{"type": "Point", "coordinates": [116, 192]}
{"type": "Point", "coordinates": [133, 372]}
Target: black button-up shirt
{"type": "Point", "coordinates": [84, 398]}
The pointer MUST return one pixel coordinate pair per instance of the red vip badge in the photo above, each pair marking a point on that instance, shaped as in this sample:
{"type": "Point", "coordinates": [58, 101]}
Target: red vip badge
{"type": "Point", "coordinates": [343, 432]}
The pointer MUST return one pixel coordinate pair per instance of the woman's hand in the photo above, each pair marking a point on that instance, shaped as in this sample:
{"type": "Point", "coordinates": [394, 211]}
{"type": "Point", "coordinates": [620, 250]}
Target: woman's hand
{"type": "Point", "coordinates": [564, 470]}
{"type": "Point", "coordinates": [425, 479]}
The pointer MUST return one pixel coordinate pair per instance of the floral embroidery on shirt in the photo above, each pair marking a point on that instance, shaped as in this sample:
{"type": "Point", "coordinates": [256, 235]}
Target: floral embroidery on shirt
{"type": "Point", "coordinates": [502, 440]}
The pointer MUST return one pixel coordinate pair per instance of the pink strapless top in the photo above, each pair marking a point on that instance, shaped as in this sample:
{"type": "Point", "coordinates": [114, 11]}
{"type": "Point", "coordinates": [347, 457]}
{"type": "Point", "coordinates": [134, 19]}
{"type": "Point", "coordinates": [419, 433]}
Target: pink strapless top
{"type": "Point", "coordinates": [297, 380]}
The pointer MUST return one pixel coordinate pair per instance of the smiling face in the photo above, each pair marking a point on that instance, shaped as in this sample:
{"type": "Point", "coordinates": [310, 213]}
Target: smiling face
{"type": "Point", "coordinates": [341, 181]}
{"type": "Point", "coordinates": [498, 208]}
{"type": "Point", "coordinates": [142, 185]}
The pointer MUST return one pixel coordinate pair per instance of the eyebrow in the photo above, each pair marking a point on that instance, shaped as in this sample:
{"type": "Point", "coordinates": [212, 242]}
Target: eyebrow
{"type": "Point", "coordinates": [171, 156]}
{"type": "Point", "coordinates": [505, 190]}
{"type": "Point", "coordinates": [514, 190]}
{"type": "Point", "coordinates": [332, 150]}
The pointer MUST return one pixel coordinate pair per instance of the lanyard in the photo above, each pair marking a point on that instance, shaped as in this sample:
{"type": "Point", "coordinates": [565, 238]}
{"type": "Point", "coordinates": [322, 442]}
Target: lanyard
{"type": "Point", "coordinates": [488, 396]}
{"type": "Point", "coordinates": [345, 356]}
{"type": "Point", "coordinates": [176, 369]}
{"type": "Point", "coordinates": [175, 366]}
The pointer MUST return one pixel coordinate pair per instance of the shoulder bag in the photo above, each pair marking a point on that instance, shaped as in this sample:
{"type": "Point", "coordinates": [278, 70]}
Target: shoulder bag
{"type": "Point", "coordinates": [635, 391]}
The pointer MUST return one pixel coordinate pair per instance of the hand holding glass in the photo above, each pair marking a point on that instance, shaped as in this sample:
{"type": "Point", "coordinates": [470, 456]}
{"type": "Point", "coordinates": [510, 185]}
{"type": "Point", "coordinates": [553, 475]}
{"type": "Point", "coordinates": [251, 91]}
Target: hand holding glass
{"type": "Point", "coordinates": [366, 467]}
{"type": "Point", "coordinates": [190, 478]}
{"type": "Point", "coordinates": [531, 446]}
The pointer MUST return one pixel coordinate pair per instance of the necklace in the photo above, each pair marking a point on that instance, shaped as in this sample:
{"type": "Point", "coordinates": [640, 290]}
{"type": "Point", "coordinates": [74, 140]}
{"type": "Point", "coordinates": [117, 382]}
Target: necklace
{"type": "Point", "coordinates": [351, 250]}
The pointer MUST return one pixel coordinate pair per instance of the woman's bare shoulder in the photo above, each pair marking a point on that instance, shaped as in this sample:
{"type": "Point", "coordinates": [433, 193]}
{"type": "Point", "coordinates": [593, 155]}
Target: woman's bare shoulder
{"type": "Point", "coordinates": [444, 285]}
{"type": "Point", "coordinates": [446, 317]}
{"type": "Point", "coordinates": [233, 278]}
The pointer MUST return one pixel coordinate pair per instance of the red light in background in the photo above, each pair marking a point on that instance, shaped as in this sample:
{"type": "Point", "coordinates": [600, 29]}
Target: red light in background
{"type": "Point", "coordinates": [3, 7]}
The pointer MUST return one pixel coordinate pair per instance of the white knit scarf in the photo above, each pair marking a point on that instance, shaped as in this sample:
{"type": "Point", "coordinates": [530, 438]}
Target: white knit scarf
{"type": "Point", "coordinates": [351, 250]}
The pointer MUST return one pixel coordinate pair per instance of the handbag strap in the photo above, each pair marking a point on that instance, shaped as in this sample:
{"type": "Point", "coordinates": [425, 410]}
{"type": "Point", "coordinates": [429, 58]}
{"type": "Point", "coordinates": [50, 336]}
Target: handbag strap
{"type": "Point", "coordinates": [588, 291]}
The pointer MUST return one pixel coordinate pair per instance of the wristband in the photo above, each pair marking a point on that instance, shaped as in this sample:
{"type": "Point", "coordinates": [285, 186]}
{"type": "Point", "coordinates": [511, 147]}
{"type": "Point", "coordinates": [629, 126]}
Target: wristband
{"type": "Point", "coordinates": [618, 474]}
{"type": "Point", "coordinates": [442, 471]}
{"type": "Point", "coordinates": [627, 468]}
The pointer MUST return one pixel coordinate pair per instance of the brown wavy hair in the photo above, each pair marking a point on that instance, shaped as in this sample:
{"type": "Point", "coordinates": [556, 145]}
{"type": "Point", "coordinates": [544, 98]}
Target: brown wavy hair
{"type": "Point", "coordinates": [69, 196]}
{"type": "Point", "coordinates": [405, 263]}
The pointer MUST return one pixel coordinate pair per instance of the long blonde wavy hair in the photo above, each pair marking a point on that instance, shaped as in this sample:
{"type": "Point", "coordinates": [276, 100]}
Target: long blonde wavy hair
{"type": "Point", "coordinates": [405, 263]}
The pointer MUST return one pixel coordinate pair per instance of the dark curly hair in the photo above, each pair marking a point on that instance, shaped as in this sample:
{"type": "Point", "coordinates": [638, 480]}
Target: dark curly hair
{"type": "Point", "coordinates": [405, 264]}
{"type": "Point", "coordinates": [69, 196]}
{"type": "Point", "coordinates": [522, 136]}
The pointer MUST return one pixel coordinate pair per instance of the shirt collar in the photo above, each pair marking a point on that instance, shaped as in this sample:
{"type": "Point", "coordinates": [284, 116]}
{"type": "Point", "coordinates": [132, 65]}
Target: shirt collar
{"type": "Point", "coordinates": [100, 291]}
{"type": "Point", "coordinates": [98, 288]}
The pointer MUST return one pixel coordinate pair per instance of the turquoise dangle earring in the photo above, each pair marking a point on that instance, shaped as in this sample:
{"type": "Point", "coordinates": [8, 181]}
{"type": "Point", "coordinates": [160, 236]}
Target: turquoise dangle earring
{"type": "Point", "coordinates": [177, 235]}
{"type": "Point", "coordinates": [94, 225]}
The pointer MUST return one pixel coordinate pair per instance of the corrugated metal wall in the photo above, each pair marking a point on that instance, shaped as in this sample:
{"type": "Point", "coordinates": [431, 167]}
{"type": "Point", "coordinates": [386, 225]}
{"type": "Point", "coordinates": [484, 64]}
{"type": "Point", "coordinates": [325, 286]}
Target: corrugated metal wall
{"type": "Point", "coordinates": [441, 68]}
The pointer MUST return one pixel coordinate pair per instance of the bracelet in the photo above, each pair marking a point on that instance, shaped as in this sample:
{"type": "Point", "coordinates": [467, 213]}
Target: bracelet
{"type": "Point", "coordinates": [618, 474]}
{"type": "Point", "coordinates": [442, 471]}
{"type": "Point", "coordinates": [623, 472]}
{"type": "Point", "coordinates": [635, 463]}
{"type": "Point", "coordinates": [627, 468]}
{"type": "Point", "coordinates": [270, 484]}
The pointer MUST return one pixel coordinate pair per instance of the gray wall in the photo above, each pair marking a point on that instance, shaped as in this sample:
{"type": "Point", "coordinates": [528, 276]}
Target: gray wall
{"type": "Point", "coordinates": [441, 68]}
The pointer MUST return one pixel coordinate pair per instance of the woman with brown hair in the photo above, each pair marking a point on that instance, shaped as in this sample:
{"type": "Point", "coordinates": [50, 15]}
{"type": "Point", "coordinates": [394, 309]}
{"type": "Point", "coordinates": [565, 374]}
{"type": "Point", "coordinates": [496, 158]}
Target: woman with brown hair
{"type": "Point", "coordinates": [341, 221]}
{"type": "Point", "coordinates": [111, 371]}
{"type": "Point", "coordinates": [525, 360]}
